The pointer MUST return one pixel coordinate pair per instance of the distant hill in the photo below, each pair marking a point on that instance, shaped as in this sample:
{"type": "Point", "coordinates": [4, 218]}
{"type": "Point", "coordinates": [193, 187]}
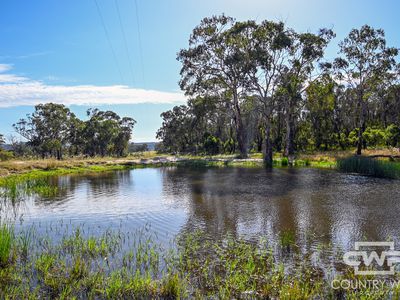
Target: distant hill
{"type": "Point", "coordinates": [6, 147]}
{"type": "Point", "coordinates": [135, 147]}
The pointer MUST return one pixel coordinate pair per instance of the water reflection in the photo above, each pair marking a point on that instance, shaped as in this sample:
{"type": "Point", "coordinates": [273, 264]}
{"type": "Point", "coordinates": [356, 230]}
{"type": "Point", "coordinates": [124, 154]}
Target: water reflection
{"type": "Point", "coordinates": [316, 205]}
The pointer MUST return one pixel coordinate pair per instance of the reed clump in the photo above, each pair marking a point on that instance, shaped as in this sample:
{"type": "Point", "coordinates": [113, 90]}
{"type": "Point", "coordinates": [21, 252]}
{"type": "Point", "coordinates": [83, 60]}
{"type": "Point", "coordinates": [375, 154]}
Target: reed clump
{"type": "Point", "coordinates": [369, 166]}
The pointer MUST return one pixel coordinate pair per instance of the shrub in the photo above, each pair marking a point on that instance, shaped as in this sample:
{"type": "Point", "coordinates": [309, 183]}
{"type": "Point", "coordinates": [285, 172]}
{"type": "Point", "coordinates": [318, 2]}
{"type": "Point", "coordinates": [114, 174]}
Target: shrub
{"type": "Point", "coordinates": [374, 136]}
{"type": "Point", "coordinates": [392, 135]}
{"type": "Point", "coordinates": [5, 155]}
{"type": "Point", "coordinates": [211, 144]}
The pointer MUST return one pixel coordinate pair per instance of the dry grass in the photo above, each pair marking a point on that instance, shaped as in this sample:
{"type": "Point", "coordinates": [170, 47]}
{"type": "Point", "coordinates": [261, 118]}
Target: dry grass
{"type": "Point", "coordinates": [20, 166]}
{"type": "Point", "coordinates": [16, 166]}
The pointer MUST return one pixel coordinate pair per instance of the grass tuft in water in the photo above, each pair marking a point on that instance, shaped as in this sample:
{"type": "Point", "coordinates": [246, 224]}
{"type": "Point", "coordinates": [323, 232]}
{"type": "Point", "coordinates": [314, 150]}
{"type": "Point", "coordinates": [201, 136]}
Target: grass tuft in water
{"type": "Point", "coordinates": [287, 238]}
{"type": "Point", "coordinates": [6, 244]}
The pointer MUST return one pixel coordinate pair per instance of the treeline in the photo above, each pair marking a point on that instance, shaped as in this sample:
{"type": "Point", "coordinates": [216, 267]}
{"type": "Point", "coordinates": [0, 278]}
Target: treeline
{"type": "Point", "coordinates": [264, 86]}
{"type": "Point", "coordinates": [52, 130]}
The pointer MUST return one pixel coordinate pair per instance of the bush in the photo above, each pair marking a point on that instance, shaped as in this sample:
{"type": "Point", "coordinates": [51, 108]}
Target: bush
{"type": "Point", "coordinates": [374, 136]}
{"type": "Point", "coordinates": [392, 135]}
{"type": "Point", "coordinates": [211, 144]}
{"type": "Point", "coordinates": [5, 155]}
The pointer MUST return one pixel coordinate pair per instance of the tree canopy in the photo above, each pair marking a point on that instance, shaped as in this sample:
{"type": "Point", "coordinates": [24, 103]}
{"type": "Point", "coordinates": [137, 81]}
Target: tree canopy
{"type": "Point", "coordinates": [52, 130]}
{"type": "Point", "coordinates": [263, 86]}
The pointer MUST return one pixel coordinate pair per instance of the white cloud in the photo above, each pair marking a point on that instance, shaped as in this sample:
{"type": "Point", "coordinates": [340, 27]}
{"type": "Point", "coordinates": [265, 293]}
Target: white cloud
{"type": "Point", "coordinates": [5, 68]}
{"type": "Point", "coordinates": [16, 91]}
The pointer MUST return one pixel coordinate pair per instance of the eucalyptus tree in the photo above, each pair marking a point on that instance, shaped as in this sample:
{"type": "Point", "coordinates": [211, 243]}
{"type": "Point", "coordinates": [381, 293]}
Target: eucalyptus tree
{"type": "Point", "coordinates": [321, 106]}
{"type": "Point", "coordinates": [305, 51]}
{"type": "Point", "coordinates": [2, 140]}
{"type": "Point", "coordinates": [364, 62]}
{"type": "Point", "coordinates": [271, 45]}
{"type": "Point", "coordinates": [106, 133]}
{"type": "Point", "coordinates": [216, 65]}
{"type": "Point", "coordinates": [47, 129]}
{"type": "Point", "coordinates": [175, 131]}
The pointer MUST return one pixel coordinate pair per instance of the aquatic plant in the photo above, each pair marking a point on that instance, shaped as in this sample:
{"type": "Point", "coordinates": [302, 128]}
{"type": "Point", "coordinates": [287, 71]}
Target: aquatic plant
{"type": "Point", "coordinates": [100, 267]}
{"type": "Point", "coordinates": [369, 166]}
{"type": "Point", "coordinates": [287, 238]}
{"type": "Point", "coordinates": [6, 243]}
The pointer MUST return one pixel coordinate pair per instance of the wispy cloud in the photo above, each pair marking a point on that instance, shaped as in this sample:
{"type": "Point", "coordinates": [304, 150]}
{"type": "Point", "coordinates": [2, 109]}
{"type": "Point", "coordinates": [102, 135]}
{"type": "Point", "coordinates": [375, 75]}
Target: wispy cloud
{"type": "Point", "coordinates": [17, 90]}
{"type": "Point", "coordinates": [26, 56]}
{"type": "Point", "coordinates": [5, 68]}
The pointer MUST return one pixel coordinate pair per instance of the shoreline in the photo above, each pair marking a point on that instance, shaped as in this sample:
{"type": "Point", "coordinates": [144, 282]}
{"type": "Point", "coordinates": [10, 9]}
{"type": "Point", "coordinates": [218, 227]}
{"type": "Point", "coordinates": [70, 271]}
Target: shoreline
{"type": "Point", "coordinates": [78, 165]}
{"type": "Point", "coordinates": [51, 167]}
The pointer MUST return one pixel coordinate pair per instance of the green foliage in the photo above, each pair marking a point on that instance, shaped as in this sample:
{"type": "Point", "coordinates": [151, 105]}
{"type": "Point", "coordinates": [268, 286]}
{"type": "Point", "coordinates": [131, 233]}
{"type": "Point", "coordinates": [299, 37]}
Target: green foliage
{"type": "Point", "coordinates": [287, 238]}
{"type": "Point", "coordinates": [374, 136]}
{"type": "Point", "coordinates": [211, 144]}
{"type": "Point", "coordinates": [255, 99]}
{"type": "Point", "coordinates": [392, 135]}
{"type": "Point", "coordinates": [366, 64]}
{"type": "Point", "coordinates": [285, 161]}
{"type": "Point", "coordinates": [52, 129]}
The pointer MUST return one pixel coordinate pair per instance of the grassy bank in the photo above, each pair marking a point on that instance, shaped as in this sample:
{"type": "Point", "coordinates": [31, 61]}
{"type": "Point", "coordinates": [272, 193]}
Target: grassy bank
{"type": "Point", "coordinates": [20, 170]}
{"type": "Point", "coordinates": [50, 167]}
{"type": "Point", "coordinates": [88, 267]}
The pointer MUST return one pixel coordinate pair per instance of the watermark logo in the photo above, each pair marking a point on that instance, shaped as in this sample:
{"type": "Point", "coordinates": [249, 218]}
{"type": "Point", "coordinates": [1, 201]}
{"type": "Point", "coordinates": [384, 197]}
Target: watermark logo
{"type": "Point", "coordinates": [372, 258]}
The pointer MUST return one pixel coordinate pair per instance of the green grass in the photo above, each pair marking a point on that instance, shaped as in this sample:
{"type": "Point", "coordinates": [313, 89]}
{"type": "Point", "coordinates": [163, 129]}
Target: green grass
{"type": "Point", "coordinates": [369, 166]}
{"type": "Point", "coordinates": [6, 243]}
{"type": "Point", "coordinates": [287, 238]}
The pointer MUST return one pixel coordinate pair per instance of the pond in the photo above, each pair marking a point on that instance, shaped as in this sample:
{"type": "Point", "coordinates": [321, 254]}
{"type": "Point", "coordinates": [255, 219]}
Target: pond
{"type": "Point", "coordinates": [317, 206]}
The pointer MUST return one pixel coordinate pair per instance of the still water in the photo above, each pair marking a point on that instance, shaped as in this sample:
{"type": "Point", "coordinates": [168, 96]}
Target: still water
{"type": "Point", "coordinates": [318, 206]}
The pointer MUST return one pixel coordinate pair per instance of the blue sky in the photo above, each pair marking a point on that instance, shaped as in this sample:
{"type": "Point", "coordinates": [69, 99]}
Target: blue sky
{"type": "Point", "coordinates": [58, 50]}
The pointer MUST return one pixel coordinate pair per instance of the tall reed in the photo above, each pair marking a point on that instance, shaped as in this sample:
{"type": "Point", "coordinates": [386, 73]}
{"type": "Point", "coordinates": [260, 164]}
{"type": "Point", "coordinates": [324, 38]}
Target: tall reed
{"type": "Point", "coordinates": [369, 166]}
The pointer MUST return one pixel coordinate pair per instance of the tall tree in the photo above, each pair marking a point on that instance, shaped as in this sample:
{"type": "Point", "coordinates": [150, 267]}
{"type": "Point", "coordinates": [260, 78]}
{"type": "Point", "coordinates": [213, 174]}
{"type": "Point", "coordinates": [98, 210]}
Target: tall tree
{"type": "Point", "coordinates": [320, 107]}
{"type": "Point", "coordinates": [271, 45]}
{"type": "Point", "coordinates": [364, 62]}
{"type": "Point", "coordinates": [175, 131]}
{"type": "Point", "coordinates": [306, 50]}
{"type": "Point", "coordinates": [2, 140]}
{"type": "Point", "coordinates": [106, 133]}
{"type": "Point", "coordinates": [216, 64]}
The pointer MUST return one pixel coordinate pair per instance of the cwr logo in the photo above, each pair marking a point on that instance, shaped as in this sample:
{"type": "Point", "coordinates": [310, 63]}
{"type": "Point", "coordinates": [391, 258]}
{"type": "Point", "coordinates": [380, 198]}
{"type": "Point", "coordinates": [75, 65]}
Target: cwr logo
{"type": "Point", "coordinates": [364, 255]}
